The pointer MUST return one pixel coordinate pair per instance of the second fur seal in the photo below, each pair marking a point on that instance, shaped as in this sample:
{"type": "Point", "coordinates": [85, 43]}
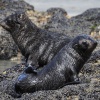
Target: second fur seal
{"type": "Point", "coordinates": [61, 70]}
{"type": "Point", "coordinates": [37, 45]}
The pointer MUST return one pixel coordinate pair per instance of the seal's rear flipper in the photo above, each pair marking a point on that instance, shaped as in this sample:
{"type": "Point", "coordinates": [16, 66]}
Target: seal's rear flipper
{"type": "Point", "coordinates": [74, 82]}
{"type": "Point", "coordinates": [70, 83]}
{"type": "Point", "coordinates": [29, 70]}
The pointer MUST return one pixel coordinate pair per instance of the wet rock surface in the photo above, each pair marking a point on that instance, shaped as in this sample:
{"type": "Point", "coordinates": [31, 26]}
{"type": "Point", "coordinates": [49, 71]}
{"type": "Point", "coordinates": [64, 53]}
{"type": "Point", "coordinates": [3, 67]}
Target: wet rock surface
{"type": "Point", "coordinates": [89, 89]}
{"type": "Point", "coordinates": [87, 22]}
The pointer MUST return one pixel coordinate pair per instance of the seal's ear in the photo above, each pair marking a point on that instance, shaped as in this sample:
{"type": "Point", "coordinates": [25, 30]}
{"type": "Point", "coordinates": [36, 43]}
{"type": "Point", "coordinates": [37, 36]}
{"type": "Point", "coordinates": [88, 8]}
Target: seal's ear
{"type": "Point", "coordinates": [76, 46]}
{"type": "Point", "coordinates": [20, 16]}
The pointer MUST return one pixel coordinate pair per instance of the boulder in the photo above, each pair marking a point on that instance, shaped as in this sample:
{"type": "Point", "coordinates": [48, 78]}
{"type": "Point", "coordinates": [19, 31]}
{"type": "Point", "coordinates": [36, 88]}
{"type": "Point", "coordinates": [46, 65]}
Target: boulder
{"type": "Point", "coordinates": [53, 11]}
{"type": "Point", "coordinates": [83, 23]}
{"type": "Point", "coordinates": [7, 47]}
{"type": "Point", "coordinates": [57, 23]}
{"type": "Point", "coordinates": [92, 15]}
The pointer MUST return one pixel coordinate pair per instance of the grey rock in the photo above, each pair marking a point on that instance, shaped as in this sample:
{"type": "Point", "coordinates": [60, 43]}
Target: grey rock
{"type": "Point", "coordinates": [82, 23]}
{"type": "Point", "coordinates": [71, 27]}
{"type": "Point", "coordinates": [57, 23]}
{"type": "Point", "coordinates": [53, 11]}
{"type": "Point", "coordinates": [10, 6]}
{"type": "Point", "coordinates": [8, 48]}
{"type": "Point", "coordinates": [95, 56]}
{"type": "Point", "coordinates": [91, 15]}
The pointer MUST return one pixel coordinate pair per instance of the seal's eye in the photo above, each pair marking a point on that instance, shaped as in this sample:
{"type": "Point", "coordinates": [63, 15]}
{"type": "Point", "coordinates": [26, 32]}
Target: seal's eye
{"type": "Point", "coordinates": [19, 16]}
{"type": "Point", "coordinates": [75, 46]}
{"type": "Point", "coordinates": [81, 46]}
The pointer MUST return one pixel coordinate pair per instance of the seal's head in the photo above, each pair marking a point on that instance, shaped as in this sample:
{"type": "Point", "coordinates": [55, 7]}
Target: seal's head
{"type": "Point", "coordinates": [84, 45]}
{"type": "Point", "coordinates": [13, 21]}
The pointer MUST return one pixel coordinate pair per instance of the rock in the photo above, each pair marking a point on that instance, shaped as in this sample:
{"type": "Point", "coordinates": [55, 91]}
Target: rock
{"type": "Point", "coordinates": [95, 56]}
{"type": "Point", "coordinates": [91, 19]}
{"type": "Point", "coordinates": [7, 47]}
{"type": "Point", "coordinates": [96, 32]}
{"type": "Point", "coordinates": [91, 15]}
{"type": "Point", "coordinates": [10, 6]}
{"type": "Point", "coordinates": [86, 22]}
{"type": "Point", "coordinates": [53, 11]}
{"type": "Point", "coordinates": [57, 23]}
{"type": "Point", "coordinates": [82, 23]}
{"type": "Point", "coordinates": [38, 18]}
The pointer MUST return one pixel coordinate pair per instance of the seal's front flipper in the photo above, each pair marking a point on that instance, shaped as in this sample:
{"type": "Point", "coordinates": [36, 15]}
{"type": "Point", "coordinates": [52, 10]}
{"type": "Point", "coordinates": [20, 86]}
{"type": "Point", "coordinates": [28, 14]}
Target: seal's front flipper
{"type": "Point", "coordinates": [30, 70]}
{"type": "Point", "coordinates": [32, 61]}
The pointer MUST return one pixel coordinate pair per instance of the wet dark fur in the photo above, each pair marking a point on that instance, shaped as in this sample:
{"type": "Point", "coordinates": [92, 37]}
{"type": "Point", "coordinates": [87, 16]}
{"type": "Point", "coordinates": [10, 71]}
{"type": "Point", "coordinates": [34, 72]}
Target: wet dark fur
{"type": "Point", "coordinates": [62, 69]}
{"type": "Point", "coordinates": [37, 45]}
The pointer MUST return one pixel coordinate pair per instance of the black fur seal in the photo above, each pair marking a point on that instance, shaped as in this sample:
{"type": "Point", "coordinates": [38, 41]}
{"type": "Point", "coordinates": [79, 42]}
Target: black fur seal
{"type": "Point", "coordinates": [61, 70]}
{"type": "Point", "coordinates": [37, 45]}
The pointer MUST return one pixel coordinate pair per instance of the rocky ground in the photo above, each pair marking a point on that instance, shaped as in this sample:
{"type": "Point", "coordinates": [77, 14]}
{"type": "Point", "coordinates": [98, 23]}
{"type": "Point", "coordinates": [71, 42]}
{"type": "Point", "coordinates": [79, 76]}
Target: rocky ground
{"type": "Point", "coordinates": [89, 89]}
{"type": "Point", "coordinates": [57, 20]}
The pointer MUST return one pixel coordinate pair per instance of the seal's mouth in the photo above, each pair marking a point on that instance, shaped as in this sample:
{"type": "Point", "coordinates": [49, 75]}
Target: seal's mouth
{"type": "Point", "coordinates": [4, 25]}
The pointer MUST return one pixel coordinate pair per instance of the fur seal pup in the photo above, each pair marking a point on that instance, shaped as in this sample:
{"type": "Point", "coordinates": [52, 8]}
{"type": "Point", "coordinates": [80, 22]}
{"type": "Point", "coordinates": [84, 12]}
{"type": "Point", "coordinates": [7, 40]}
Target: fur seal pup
{"type": "Point", "coordinates": [37, 45]}
{"type": "Point", "coordinates": [61, 70]}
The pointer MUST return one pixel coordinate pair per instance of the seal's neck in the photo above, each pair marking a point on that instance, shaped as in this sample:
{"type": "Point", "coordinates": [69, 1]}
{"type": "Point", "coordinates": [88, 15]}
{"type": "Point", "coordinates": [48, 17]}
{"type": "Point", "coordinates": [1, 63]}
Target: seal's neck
{"type": "Point", "coordinates": [30, 26]}
{"type": "Point", "coordinates": [23, 32]}
{"type": "Point", "coordinates": [78, 59]}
